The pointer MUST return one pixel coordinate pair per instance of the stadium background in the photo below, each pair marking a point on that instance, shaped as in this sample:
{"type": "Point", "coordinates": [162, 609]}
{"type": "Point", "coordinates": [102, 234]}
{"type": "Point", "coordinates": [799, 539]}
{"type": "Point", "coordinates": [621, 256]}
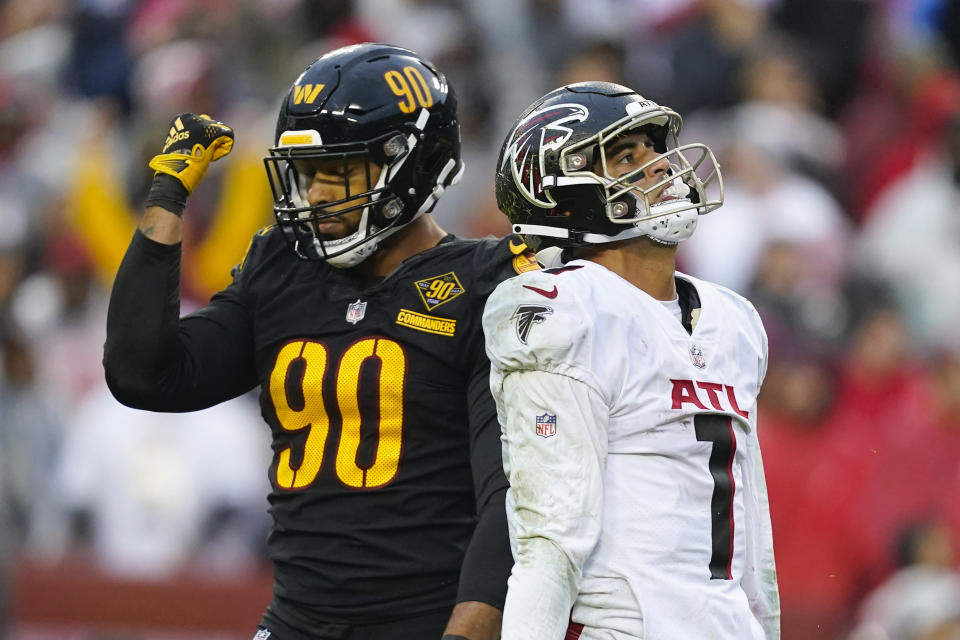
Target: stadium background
{"type": "Point", "coordinates": [837, 123]}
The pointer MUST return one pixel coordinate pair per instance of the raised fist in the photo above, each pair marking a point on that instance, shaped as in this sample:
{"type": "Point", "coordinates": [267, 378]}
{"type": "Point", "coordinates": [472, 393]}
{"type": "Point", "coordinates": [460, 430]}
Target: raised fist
{"type": "Point", "coordinates": [192, 143]}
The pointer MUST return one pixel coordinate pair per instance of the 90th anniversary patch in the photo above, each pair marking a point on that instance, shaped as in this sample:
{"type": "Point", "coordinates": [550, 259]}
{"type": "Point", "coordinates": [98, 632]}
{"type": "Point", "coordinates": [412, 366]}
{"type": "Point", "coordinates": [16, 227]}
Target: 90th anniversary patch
{"type": "Point", "coordinates": [439, 290]}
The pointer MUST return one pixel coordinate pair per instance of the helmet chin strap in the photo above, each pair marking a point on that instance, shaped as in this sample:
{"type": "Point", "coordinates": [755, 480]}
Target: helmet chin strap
{"type": "Point", "coordinates": [361, 251]}
{"type": "Point", "coordinates": [671, 222]}
{"type": "Point", "coordinates": [673, 228]}
{"type": "Point", "coordinates": [365, 249]}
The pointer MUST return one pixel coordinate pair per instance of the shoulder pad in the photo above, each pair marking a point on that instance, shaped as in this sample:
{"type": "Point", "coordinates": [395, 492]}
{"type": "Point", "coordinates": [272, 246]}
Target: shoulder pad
{"type": "Point", "coordinates": [264, 243]}
{"type": "Point", "coordinates": [532, 322]}
{"type": "Point", "coordinates": [524, 259]}
{"type": "Point", "coordinates": [496, 260]}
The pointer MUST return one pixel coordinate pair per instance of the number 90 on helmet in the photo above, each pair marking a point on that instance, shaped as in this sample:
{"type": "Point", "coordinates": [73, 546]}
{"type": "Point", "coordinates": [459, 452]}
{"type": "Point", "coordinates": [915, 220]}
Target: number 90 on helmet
{"type": "Point", "coordinates": [376, 103]}
{"type": "Point", "coordinates": [554, 184]}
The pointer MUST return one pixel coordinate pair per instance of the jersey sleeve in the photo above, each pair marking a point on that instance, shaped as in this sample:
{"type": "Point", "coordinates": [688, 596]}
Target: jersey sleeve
{"type": "Point", "coordinates": [530, 325]}
{"type": "Point", "coordinates": [487, 562]}
{"type": "Point", "coordinates": [554, 448]}
{"type": "Point", "coordinates": [760, 574]}
{"type": "Point", "coordinates": [553, 416]}
{"type": "Point", "coordinates": [752, 326]}
{"type": "Point", "coordinates": [761, 336]}
{"type": "Point", "coordinates": [155, 360]}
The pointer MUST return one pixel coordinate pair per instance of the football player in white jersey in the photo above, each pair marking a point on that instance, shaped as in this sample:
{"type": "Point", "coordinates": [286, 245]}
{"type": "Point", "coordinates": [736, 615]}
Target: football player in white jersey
{"type": "Point", "coordinates": [626, 390]}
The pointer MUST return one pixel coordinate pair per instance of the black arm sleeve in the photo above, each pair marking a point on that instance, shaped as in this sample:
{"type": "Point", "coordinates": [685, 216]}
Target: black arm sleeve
{"type": "Point", "coordinates": [487, 564]}
{"type": "Point", "coordinates": [153, 359]}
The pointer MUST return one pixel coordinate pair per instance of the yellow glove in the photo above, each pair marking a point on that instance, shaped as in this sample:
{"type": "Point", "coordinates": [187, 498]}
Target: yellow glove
{"type": "Point", "coordinates": [192, 143]}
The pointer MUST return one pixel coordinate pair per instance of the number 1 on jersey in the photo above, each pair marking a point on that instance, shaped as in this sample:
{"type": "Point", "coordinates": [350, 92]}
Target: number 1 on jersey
{"type": "Point", "coordinates": [719, 430]}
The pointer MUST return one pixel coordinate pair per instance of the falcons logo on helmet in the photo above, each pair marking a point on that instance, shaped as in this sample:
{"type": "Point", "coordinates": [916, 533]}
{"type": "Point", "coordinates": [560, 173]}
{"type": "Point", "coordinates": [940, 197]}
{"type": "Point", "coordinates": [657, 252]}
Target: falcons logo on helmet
{"type": "Point", "coordinates": [528, 315]}
{"type": "Point", "coordinates": [540, 131]}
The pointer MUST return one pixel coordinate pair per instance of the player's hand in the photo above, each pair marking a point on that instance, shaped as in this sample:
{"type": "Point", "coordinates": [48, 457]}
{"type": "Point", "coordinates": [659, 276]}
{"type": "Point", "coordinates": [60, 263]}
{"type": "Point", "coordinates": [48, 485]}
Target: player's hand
{"type": "Point", "coordinates": [192, 143]}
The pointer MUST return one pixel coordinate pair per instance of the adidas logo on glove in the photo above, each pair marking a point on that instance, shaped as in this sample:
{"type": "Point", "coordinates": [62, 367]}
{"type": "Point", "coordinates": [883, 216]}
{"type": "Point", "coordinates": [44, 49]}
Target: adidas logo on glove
{"type": "Point", "coordinates": [187, 163]}
{"type": "Point", "coordinates": [177, 133]}
{"type": "Point", "coordinates": [183, 135]}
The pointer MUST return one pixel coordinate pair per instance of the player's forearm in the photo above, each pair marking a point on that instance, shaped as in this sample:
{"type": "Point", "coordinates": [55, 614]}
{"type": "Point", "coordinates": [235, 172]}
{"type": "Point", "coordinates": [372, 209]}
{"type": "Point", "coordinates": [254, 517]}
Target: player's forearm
{"type": "Point", "coordinates": [161, 225]}
{"type": "Point", "coordinates": [771, 626]}
{"type": "Point", "coordinates": [142, 318]}
{"type": "Point", "coordinates": [473, 620]}
{"type": "Point", "coordinates": [761, 589]}
{"type": "Point", "coordinates": [486, 564]}
{"type": "Point", "coordinates": [760, 573]}
{"type": "Point", "coordinates": [542, 589]}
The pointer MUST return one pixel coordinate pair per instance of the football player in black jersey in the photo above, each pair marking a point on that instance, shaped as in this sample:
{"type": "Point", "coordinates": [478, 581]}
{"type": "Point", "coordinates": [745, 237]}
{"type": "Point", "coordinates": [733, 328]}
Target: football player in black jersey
{"type": "Point", "coordinates": [359, 319]}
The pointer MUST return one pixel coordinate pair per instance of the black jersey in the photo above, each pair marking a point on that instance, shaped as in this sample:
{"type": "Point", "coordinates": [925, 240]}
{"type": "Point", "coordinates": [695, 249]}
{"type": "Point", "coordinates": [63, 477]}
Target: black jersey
{"type": "Point", "coordinates": [384, 433]}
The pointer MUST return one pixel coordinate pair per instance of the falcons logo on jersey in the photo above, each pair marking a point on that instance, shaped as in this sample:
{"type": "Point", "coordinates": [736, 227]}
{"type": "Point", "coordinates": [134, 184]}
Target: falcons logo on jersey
{"type": "Point", "coordinates": [528, 315]}
{"type": "Point", "coordinates": [540, 131]}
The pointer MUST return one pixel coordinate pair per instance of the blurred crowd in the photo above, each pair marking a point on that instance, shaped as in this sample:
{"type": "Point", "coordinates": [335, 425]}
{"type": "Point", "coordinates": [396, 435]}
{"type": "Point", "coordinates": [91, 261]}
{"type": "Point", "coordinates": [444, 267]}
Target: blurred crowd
{"type": "Point", "coordinates": [836, 122]}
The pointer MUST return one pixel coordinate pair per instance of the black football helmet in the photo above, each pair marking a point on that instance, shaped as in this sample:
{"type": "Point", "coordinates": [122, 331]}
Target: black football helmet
{"type": "Point", "coordinates": [553, 181]}
{"type": "Point", "coordinates": [379, 103]}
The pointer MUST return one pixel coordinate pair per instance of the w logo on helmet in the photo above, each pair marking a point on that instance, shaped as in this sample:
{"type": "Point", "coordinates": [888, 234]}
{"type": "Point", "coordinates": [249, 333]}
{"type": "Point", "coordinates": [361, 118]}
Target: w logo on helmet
{"type": "Point", "coordinates": [306, 93]}
{"type": "Point", "coordinates": [540, 131]}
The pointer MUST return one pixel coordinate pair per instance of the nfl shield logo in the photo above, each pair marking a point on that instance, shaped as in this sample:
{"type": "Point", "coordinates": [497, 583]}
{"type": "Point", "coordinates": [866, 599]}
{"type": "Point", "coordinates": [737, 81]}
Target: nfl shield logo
{"type": "Point", "coordinates": [546, 425]}
{"type": "Point", "coordinates": [262, 634]}
{"type": "Point", "coordinates": [356, 311]}
{"type": "Point", "coordinates": [696, 354]}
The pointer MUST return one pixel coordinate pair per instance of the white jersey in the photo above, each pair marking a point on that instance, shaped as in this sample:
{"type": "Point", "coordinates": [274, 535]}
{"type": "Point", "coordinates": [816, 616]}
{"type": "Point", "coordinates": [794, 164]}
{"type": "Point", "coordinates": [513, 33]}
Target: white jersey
{"type": "Point", "coordinates": [637, 493]}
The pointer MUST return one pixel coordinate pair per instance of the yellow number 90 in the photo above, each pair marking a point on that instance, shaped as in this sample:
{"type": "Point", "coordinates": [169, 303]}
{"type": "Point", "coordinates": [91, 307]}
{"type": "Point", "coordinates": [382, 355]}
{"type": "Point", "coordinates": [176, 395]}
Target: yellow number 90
{"type": "Point", "coordinates": [440, 289]}
{"type": "Point", "coordinates": [410, 86]}
{"type": "Point", "coordinates": [309, 411]}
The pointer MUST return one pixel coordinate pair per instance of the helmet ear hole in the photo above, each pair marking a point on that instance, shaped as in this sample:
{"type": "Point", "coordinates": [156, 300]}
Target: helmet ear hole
{"type": "Point", "coordinates": [432, 162]}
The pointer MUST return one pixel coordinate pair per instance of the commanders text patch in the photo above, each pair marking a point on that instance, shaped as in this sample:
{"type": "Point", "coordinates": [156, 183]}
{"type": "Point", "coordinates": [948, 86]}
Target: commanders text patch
{"type": "Point", "coordinates": [430, 324]}
{"type": "Point", "coordinates": [438, 290]}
